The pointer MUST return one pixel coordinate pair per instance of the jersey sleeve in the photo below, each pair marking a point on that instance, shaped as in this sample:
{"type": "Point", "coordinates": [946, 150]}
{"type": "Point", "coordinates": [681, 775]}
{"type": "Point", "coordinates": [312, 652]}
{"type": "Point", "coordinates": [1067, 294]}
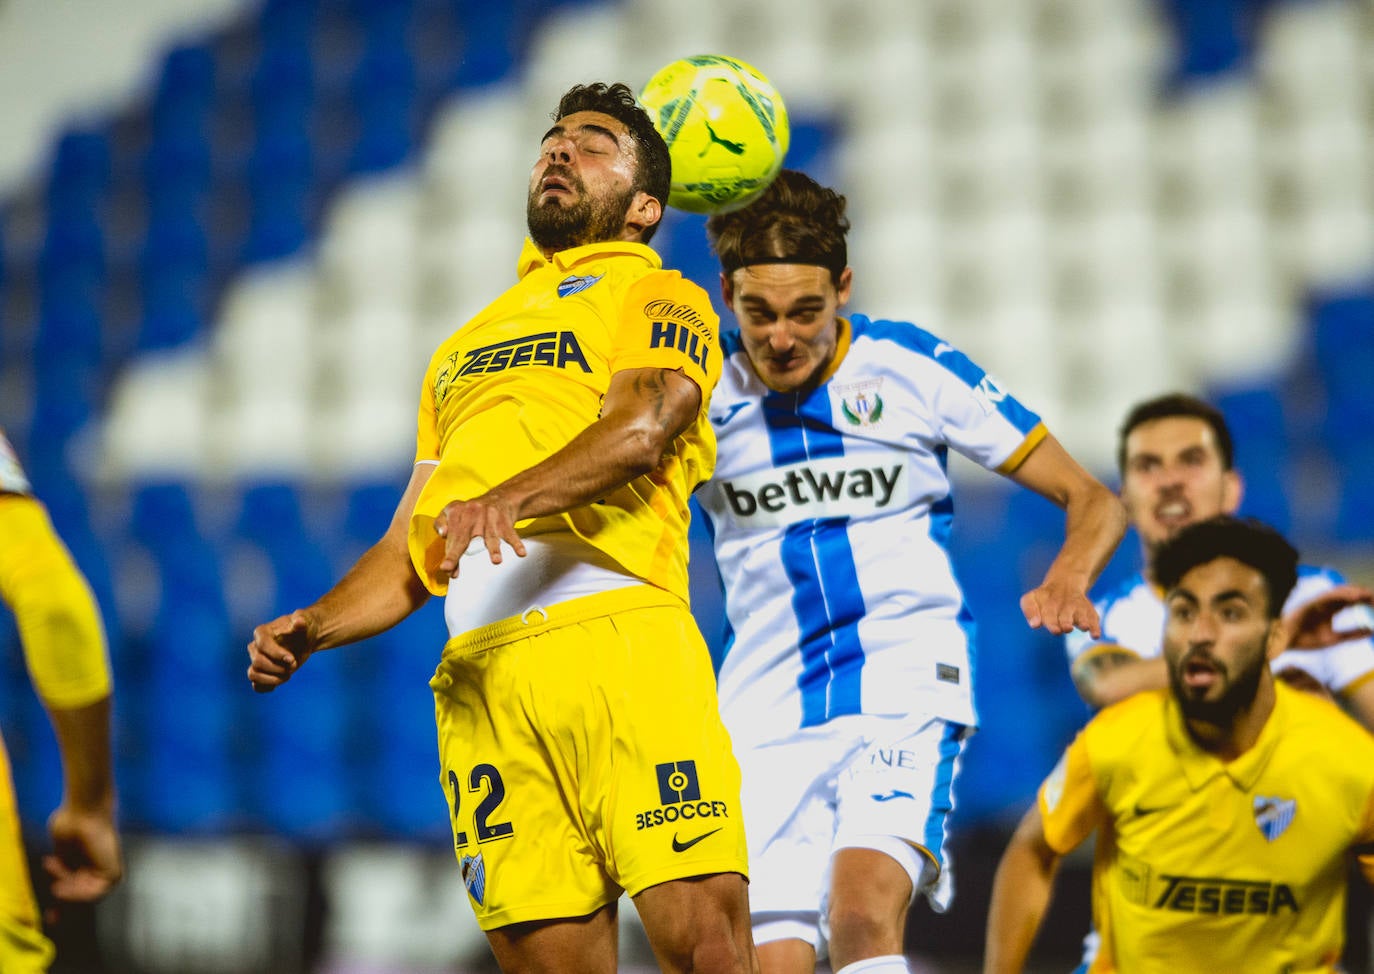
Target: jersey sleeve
{"type": "Point", "coordinates": [1364, 841]}
{"type": "Point", "coordinates": [59, 625]}
{"type": "Point", "coordinates": [12, 478]}
{"type": "Point", "coordinates": [1346, 665]}
{"type": "Point", "coordinates": [978, 417]}
{"type": "Point", "coordinates": [1070, 806]}
{"type": "Point", "coordinates": [427, 419]}
{"type": "Point", "coordinates": [667, 322]}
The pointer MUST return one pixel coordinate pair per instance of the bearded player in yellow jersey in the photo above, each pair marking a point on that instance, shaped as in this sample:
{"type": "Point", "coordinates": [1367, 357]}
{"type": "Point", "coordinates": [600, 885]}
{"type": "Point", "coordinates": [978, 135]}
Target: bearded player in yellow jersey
{"type": "Point", "coordinates": [1225, 806]}
{"type": "Point", "coordinates": [64, 648]}
{"type": "Point", "coordinates": [580, 746]}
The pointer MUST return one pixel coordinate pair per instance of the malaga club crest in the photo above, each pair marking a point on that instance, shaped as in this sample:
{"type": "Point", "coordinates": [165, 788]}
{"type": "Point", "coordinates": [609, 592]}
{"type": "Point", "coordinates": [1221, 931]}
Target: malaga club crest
{"type": "Point", "coordinates": [474, 872]}
{"type": "Point", "coordinates": [1274, 815]}
{"type": "Point", "coordinates": [860, 403]}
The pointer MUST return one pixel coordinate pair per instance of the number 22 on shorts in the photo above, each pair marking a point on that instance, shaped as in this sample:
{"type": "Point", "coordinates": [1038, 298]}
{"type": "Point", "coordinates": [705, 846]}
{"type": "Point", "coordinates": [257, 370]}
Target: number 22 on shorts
{"type": "Point", "coordinates": [486, 781]}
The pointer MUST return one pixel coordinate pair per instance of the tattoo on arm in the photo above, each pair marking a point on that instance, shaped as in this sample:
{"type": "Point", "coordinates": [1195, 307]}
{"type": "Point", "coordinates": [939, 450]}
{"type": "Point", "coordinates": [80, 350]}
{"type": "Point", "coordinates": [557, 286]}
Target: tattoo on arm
{"type": "Point", "coordinates": [651, 388]}
{"type": "Point", "coordinates": [1087, 670]}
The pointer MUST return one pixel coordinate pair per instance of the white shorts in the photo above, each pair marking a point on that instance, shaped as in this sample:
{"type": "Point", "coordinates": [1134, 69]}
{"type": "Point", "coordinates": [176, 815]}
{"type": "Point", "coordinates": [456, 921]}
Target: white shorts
{"type": "Point", "coordinates": [862, 781]}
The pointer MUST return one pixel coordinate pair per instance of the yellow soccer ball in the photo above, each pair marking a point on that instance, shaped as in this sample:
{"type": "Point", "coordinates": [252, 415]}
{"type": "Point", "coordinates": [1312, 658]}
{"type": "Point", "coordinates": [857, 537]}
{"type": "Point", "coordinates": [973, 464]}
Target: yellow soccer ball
{"type": "Point", "coordinates": [726, 129]}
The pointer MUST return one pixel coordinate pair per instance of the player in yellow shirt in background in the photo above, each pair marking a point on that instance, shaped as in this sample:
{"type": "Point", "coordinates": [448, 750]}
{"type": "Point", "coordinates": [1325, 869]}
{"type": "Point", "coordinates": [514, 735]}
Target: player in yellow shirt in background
{"type": "Point", "coordinates": [1225, 806]}
{"type": "Point", "coordinates": [64, 648]}
{"type": "Point", "coordinates": [581, 749]}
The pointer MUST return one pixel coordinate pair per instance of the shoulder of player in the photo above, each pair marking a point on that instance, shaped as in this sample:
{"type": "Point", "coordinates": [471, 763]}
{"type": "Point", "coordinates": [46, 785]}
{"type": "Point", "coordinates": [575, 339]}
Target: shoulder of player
{"type": "Point", "coordinates": [1312, 715]}
{"type": "Point", "coordinates": [1123, 592]}
{"type": "Point", "coordinates": [1116, 732]}
{"type": "Point", "coordinates": [883, 338]}
{"type": "Point", "coordinates": [1313, 580]}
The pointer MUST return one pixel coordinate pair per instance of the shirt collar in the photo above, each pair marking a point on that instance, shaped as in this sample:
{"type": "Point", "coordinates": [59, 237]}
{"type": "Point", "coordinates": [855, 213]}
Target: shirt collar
{"type": "Point", "coordinates": [1200, 767]}
{"type": "Point", "coordinates": [844, 332]}
{"type": "Point", "coordinates": [532, 258]}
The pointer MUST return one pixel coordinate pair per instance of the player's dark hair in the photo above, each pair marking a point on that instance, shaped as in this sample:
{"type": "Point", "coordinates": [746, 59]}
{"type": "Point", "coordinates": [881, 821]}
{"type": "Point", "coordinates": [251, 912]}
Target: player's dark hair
{"type": "Point", "coordinates": [1177, 404]}
{"type": "Point", "coordinates": [795, 220]}
{"type": "Point", "coordinates": [654, 171]}
{"type": "Point", "coordinates": [1247, 540]}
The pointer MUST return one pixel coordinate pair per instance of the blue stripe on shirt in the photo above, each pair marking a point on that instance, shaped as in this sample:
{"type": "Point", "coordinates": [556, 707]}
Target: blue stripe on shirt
{"type": "Point", "coordinates": [828, 605]}
{"type": "Point", "coordinates": [819, 562]}
{"type": "Point", "coordinates": [942, 794]}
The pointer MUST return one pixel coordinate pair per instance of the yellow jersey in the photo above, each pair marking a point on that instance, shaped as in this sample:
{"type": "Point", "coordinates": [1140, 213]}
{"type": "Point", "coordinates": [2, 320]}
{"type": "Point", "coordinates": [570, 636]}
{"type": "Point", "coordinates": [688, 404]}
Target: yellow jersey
{"type": "Point", "coordinates": [59, 625]}
{"type": "Point", "coordinates": [1204, 865]}
{"type": "Point", "coordinates": [528, 373]}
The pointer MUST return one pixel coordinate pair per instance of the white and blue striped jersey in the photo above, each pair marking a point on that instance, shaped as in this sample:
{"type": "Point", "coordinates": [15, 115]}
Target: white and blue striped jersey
{"type": "Point", "coordinates": [1133, 619]}
{"type": "Point", "coordinates": [830, 514]}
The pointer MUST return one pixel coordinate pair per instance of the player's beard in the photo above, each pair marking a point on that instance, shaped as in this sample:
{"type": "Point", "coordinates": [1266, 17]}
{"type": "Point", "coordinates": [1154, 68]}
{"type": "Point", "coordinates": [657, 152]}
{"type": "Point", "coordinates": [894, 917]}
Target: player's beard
{"type": "Point", "coordinates": [558, 225]}
{"type": "Point", "coordinates": [1237, 696]}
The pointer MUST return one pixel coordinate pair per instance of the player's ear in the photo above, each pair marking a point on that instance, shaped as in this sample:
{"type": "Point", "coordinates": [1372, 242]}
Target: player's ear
{"type": "Point", "coordinates": [727, 290]}
{"type": "Point", "coordinates": [1278, 639]}
{"type": "Point", "coordinates": [644, 212]}
{"type": "Point", "coordinates": [1233, 489]}
{"type": "Point", "coordinates": [842, 289]}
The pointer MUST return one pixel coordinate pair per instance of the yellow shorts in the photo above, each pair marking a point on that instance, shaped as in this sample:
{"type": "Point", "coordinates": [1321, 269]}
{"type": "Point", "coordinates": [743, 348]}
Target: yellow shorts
{"type": "Point", "coordinates": [23, 948]}
{"type": "Point", "coordinates": [582, 754]}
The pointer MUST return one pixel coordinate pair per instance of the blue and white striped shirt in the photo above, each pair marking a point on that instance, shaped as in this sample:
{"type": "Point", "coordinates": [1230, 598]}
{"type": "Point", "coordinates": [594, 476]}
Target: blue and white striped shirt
{"type": "Point", "coordinates": [830, 514]}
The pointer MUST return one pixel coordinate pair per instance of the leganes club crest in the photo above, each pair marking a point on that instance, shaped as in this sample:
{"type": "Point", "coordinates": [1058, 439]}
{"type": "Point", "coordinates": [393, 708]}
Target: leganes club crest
{"type": "Point", "coordinates": [860, 403]}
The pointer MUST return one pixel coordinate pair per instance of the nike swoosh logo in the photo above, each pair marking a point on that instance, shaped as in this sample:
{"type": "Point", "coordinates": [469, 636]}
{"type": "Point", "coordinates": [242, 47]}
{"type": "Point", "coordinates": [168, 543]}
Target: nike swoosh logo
{"type": "Point", "coordinates": [729, 414]}
{"type": "Point", "coordinates": [1142, 810]}
{"type": "Point", "coordinates": [684, 846]}
{"type": "Point", "coordinates": [895, 794]}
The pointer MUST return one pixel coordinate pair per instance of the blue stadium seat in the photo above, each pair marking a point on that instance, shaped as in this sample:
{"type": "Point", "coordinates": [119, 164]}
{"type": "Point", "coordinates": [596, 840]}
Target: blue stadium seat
{"type": "Point", "coordinates": [1343, 352]}
{"type": "Point", "coordinates": [179, 161]}
{"type": "Point", "coordinates": [187, 76]}
{"type": "Point", "coordinates": [1259, 426]}
{"type": "Point", "coordinates": [279, 224]}
{"type": "Point", "coordinates": [80, 170]}
{"type": "Point", "coordinates": [163, 514]}
{"type": "Point", "coordinates": [496, 37]}
{"type": "Point", "coordinates": [1213, 38]}
{"type": "Point", "coordinates": [369, 510]}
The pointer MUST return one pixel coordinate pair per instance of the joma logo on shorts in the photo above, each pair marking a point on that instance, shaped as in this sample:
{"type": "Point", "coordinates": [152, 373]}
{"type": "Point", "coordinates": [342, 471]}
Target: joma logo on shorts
{"type": "Point", "coordinates": [558, 349]}
{"type": "Point", "coordinates": [1186, 894]}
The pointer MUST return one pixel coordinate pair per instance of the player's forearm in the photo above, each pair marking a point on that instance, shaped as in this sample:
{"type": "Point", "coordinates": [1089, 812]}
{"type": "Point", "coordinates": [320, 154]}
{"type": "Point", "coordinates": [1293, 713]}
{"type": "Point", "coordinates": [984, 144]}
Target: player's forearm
{"type": "Point", "coordinates": [644, 411]}
{"type": "Point", "coordinates": [1020, 898]}
{"type": "Point", "coordinates": [1094, 524]}
{"type": "Point", "coordinates": [379, 591]}
{"type": "Point", "coordinates": [598, 460]}
{"type": "Point", "coordinates": [83, 739]}
{"type": "Point", "coordinates": [1107, 679]}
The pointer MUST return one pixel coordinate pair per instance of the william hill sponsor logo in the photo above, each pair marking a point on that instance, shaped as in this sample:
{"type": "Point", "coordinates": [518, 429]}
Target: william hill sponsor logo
{"type": "Point", "coordinates": [1191, 894]}
{"type": "Point", "coordinates": [836, 487]}
{"type": "Point", "coordinates": [679, 326]}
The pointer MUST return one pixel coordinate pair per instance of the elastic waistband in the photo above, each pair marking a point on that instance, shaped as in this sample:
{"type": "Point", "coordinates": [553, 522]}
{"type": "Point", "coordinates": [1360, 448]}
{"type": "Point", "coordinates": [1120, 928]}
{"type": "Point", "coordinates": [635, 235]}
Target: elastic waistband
{"type": "Point", "coordinates": [537, 619]}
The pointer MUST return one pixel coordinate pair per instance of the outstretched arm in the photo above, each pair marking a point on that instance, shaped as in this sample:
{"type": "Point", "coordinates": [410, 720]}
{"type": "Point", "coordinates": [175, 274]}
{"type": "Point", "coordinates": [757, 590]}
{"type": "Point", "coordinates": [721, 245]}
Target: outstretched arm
{"type": "Point", "coordinates": [1020, 896]}
{"type": "Point", "coordinates": [643, 411]}
{"type": "Point", "coordinates": [1094, 523]}
{"type": "Point", "coordinates": [86, 860]}
{"type": "Point", "coordinates": [1312, 625]}
{"type": "Point", "coordinates": [379, 591]}
{"type": "Point", "coordinates": [64, 647]}
{"type": "Point", "coordinates": [1108, 674]}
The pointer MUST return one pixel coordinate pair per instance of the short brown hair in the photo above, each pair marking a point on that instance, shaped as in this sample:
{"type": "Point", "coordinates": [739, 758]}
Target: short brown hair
{"type": "Point", "coordinates": [653, 172]}
{"type": "Point", "coordinates": [795, 220]}
{"type": "Point", "coordinates": [1169, 406]}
